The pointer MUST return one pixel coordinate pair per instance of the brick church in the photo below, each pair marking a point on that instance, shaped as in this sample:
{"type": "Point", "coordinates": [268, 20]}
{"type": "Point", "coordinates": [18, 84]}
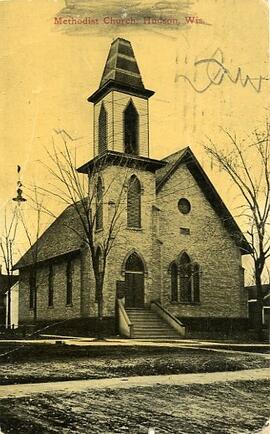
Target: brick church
{"type": "Point", "coordinates": [174, 268]}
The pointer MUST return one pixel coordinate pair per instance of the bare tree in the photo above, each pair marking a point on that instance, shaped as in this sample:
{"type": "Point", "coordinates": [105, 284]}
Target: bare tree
{"type": "Point", "coordinates": [83, 194]}
{"type": "Point", "coordinates": [7, 250]}
{"type": "Point", "coordinates": [32, 233]}
{"type": "Point", "coordinates": [13, 218]}
{"type": "Point", "coordinates": [247, 162]}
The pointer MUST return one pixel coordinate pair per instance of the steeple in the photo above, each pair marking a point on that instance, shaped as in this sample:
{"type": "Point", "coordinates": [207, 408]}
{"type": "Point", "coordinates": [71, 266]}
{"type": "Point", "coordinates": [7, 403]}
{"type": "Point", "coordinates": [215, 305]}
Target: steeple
{"type": "Point", "coordinates": [121, 104]}
{"type": "Point", "coordinates": [121, 72]}
{"type": "Point", "coordinates": [121, 65]}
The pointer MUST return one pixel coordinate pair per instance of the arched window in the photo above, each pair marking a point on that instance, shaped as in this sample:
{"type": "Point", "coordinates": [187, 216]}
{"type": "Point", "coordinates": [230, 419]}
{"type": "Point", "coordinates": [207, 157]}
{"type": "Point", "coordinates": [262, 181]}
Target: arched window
{"type": "Point", "coordinates": [174, 283]}
{"type": "Point", "coordinates": [69, 282]}
{"type": "Point", "coordinates": [131, 128]}
{"type": "Point", "coordinates": [99, 205]}
{"type": "Point", "coordinates": [102, 130]}
{"type": "Point", "coordinates": [196, 283]}
{"type": "Point", "coordinates": [32, 289]}
{"type": "Point", "coordinates": [185, 279]}
{"type": "Point", "coordinates": [50, 286]}
{"type": "Point", "coordinates": [99, 271]}
{"type": "Point", "coordinates": [134, 203]}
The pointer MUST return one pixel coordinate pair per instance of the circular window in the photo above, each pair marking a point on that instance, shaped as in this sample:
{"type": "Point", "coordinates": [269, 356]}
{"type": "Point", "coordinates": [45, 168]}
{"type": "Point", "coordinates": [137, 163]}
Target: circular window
{"type": "Point", "coordinates": [184, 206]}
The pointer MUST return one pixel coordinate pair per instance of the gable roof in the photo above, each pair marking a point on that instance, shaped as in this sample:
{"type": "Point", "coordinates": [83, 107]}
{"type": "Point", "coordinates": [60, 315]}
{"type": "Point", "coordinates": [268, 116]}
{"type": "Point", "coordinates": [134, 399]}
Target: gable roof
{"type": "Point", "coordinates": [186, 156]}
{"type": "Point", "coordinates": [164, 173]}
{"type": "Point", "coordinates": [252, 293]}
{"type": "Point", "coordinates": [57, 240]}
{"type": "Point", "coordinates": [252, 290]}
{"type": "Point", "coordinates": [6, 281]}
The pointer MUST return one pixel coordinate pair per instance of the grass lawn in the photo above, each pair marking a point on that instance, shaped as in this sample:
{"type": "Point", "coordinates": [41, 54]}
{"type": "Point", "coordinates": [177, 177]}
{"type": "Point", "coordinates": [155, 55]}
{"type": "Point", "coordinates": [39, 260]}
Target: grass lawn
{"type": "Point", "coordinates": [38, 363]}
{"type": "Point", "coordinates": [233, 408]}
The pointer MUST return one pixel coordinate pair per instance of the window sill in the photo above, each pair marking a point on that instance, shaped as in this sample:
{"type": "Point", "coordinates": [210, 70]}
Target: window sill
{"type": "Point", "coordinates": [188, 303]}
{"type": "Point", "coordinates": [50, 307]}
{"type": "Point", "coordinates": [69, 305]}
{"type": "Point", "coordinates": [134, 229]}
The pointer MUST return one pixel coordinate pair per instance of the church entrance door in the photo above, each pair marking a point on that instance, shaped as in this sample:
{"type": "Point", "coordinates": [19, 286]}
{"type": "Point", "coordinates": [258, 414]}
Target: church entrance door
{"type": "Point", "coordinates": [134, 278]}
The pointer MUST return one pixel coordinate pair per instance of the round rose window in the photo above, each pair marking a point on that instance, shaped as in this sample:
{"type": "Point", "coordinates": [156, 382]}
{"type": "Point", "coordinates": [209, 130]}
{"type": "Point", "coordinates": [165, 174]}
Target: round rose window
{"type": "Point", "coordinates": [184, 206]}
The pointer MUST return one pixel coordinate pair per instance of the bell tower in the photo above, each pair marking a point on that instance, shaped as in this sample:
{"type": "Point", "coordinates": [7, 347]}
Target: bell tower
{"type": "Point", "coordinates": [121, 110]}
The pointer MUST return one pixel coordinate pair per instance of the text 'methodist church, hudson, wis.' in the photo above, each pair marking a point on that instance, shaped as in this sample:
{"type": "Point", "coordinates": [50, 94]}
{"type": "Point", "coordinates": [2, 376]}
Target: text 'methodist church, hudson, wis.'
{"type": "Point", "coordinates": [178, 251]}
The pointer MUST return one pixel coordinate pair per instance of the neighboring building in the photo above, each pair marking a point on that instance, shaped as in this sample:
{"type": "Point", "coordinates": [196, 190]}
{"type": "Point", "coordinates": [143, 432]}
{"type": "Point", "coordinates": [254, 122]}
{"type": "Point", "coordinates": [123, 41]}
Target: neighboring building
{"type": "Point", "coordinates": [14, 306]}
{"type": "Point", "coordinates": [252, 301]}
{"type": "Point", "coordinates": [6, 282]}
{"type": "Point", "coordinates": [178, 243]}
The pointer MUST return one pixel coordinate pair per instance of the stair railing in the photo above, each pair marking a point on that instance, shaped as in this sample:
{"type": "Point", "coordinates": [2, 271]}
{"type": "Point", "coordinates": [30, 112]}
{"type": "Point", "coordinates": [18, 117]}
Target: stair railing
{"type": "Point", "coordinates": [168, 317]}
{"type": "Point", "coordinates": [126, 328]}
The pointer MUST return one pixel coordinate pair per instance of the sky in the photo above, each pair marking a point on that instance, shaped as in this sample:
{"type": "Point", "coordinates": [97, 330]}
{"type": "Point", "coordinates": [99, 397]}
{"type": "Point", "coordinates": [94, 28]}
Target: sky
{"type": "Point", "coordinates": [49, 70]}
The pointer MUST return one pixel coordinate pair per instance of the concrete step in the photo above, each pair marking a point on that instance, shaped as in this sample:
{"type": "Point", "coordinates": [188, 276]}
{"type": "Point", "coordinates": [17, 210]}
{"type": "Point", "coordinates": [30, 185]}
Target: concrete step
{"type": "Point", "coordinates": [157, 338]}
{"type": "Point", "coordinates": [140, 316]}
{"type": "Point", "coordinates": [149, 326]}
{"type": "Point", "coordinates": [153, 328]}
{"type": "Point", "coordinates": [148, 323]}
{"type": "Point", "coordinates": [154, 332]}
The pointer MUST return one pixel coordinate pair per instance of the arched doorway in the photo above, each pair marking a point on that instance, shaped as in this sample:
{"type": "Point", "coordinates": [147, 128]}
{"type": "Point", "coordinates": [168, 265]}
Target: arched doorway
{"type": "Point", "coordinates": [134, 278]}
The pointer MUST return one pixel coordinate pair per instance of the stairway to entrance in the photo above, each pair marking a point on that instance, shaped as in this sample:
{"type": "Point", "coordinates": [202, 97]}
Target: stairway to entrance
{"type": "Point", "coordinates": [148, 325]}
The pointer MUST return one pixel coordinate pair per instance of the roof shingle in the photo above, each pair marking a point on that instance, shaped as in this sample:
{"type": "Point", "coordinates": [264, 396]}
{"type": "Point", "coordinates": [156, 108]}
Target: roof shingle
{"type": "Point", "coordinates": [64, 235]}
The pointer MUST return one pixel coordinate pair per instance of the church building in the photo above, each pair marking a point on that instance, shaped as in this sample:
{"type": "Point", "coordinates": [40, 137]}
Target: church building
{"type": "Point", "coordinates": [174, 268]}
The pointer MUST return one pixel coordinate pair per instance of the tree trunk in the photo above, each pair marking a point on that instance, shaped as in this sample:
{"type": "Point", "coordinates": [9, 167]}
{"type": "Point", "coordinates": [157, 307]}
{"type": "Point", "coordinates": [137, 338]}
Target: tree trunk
{"type": "Point", "coordinates": [99, 294]}
{"type": "Point", "coordinates": [35, 297]}
{"type": "Point", "coordinates": [99, 300]}
{"type": "Point", "coordinates": [9, 308]}
{"type": "Point", "coordinates": [259, 306]}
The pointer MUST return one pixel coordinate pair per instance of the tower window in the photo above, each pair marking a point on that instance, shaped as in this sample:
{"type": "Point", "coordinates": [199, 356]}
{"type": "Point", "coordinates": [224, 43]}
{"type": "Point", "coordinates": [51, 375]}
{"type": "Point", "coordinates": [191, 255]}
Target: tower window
{"type": "Point", "coordinates": [134, 203]}
{"type": "Point", "coordinates": [102, 130]}
{"type": "Point", "coordinates": [131, 127]}
{"type": "Point", "coordinates": [99, 205]}
{"type": "Point", "coordinates": [50, 286]}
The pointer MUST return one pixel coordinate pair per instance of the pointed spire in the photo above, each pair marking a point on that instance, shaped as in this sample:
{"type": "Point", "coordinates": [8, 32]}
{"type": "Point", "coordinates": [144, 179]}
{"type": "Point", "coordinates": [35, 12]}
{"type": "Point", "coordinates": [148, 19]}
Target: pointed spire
{"type": "Point", "coordinates": [121, 65]}
{"type": "Point", "coordinates": [121, 72]}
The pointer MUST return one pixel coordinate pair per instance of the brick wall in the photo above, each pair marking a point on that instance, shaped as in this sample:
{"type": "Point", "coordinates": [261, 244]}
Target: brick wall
{"type": "Point", "coordinates": [158, 242]}
{"type": "Point", "coordinates": [25, 314]}
{"type": "Point", "coordinates": [127, 239]}
{"type": "Point", "coordinates": [209, 244]}
{"type": "Point", "coordinates": [59, 310]}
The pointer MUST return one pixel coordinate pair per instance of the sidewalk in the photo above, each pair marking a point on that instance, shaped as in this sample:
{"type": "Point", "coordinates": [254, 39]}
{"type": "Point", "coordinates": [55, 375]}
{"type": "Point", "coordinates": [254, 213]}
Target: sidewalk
{"type": "Point", "coordinates": [74, 340]}
{"type": "Point", "coordinates": [20, 390]}
{"type": "Point", "coordinates": [226, 347]}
